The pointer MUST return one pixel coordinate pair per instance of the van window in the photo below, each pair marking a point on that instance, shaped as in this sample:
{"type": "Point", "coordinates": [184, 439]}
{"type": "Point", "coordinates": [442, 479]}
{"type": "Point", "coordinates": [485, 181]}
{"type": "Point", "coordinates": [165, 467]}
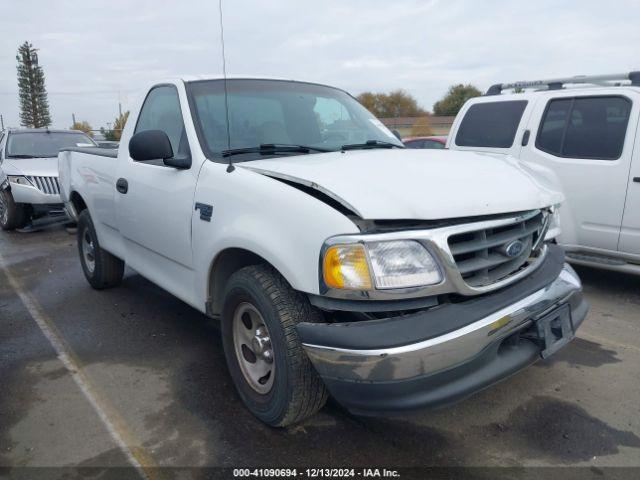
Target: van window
{"type": "Point", "coordinates": [492, 125]}
{"type": "Point", "coordinates": [585, 127]}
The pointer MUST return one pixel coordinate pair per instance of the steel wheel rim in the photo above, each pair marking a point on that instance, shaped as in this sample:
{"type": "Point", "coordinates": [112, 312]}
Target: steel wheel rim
{"type": "Point", "coordinates": [88, 251]}
{"type": "Point", "coordinates": [4, 211]}
{"type": "Point", "coordinates": [252, 346]}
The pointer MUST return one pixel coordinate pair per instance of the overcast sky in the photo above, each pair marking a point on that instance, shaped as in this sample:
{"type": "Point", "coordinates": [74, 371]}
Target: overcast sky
{"type": "Point", "coordinates": [97, 53]}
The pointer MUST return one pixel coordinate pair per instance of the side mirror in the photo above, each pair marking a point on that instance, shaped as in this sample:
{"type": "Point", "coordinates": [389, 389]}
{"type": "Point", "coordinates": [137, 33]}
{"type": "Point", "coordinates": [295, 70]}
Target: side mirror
{"type": "Point", "coordinates": [154, 145]}
{"type": "Point", "coordinates": [397, 134]}
{"type": "Point", "coordinates": [150, 145]}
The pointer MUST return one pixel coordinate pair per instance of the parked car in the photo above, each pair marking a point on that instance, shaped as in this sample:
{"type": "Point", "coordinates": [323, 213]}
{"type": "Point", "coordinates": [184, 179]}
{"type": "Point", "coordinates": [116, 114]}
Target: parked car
{"type": "Point", "coordinates": [28, 158]}
{"type": "Point", "coordinates": [107, 144]}
{"type": "Point", "coordinates": [589, 137]}
{"type": "Point", "coordinates": [355, 269]}
{"type": "Point", "coordinates": [432, 142]}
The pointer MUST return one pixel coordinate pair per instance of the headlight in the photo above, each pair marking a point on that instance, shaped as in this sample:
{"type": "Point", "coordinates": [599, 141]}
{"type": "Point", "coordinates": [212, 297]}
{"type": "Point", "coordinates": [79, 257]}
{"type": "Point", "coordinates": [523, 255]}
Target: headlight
{"type": "Point", "coordinates": [402, 264]}
{"type": "Point", "coordinates": [19, 180]}
{"type": "Point", "coordinates": [388, 265]}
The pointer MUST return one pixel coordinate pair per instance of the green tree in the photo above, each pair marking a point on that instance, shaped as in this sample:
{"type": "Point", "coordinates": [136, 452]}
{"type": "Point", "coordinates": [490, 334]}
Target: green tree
{"type": "Point", "coordinates": [108, 134]}
{"type": "Point", "coordinates": [397, 103]}
{"type": "Point", "coordinates": [83, 127]}
{"type": "Point", "coordinates": [34, 105]}
{"type": "Point", "coordinates": [115, 133]}
{"type": "Point", "coordinates": [119, 124]}
{"type": "Point", "coordinates": [455, 98]}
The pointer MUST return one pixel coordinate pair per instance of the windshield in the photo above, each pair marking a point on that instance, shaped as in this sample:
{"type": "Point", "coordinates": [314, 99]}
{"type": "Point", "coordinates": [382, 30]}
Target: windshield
{"type": "Point", "coordinates": [44, 144]}
{"type": "Point", "coordinates": [266, 112]}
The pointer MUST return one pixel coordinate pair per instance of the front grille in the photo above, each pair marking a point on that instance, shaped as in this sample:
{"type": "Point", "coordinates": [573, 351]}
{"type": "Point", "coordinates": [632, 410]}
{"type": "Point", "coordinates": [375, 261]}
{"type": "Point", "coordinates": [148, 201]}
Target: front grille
{"type": "Point", "coordinates": [48, 185]}
{"type": "Point", "coordinates": [488, 255]}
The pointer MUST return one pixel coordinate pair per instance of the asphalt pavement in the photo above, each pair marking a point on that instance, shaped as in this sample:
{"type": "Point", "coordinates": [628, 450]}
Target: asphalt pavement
{"type": "Point", "coordinates": [133, 377]}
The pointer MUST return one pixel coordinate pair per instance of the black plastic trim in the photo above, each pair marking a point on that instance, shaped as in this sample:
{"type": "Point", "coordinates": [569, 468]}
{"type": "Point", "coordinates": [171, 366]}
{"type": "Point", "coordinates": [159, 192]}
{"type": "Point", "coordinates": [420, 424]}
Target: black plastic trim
{"type": "Point", "coordinates": [495, 89]}
{"type": "Point", "coordinates": [427, 324]}
{"type": "Point", "coordinates": [342, 305]}
{"type": "Point", "coordinates": [436, 390]}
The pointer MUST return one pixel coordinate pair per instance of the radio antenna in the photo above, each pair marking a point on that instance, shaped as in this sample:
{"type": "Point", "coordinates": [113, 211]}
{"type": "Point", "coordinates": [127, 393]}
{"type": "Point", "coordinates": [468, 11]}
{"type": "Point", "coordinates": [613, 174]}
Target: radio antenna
{"type": "Point", "coordinates": [230, 167]}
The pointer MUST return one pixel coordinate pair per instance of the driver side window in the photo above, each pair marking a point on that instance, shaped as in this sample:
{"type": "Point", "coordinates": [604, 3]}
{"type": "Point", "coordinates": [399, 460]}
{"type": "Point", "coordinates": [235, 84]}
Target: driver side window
{"type": "Point", "coordinates": [161, 111]}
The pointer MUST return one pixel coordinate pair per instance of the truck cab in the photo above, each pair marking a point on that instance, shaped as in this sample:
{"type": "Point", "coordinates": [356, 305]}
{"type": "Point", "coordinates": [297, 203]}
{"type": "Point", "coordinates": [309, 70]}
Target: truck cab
{"type": "Point", "coordinates": [585, 130]}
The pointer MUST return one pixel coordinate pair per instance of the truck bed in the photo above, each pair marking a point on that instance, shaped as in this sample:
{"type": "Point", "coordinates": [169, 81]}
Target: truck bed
{"type": "Point", "coordinates": [103, 152]}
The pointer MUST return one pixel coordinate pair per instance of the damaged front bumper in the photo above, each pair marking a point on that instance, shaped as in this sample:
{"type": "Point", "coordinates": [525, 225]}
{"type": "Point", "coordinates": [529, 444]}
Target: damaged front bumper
{"type": "Point", "coordinates": [441, 355]}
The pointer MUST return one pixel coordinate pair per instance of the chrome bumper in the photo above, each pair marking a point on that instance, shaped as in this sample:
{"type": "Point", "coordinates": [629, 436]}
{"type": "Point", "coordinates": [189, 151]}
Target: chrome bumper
{"type": "Point", "coordinates": [453, 348]}
{"type": "Point", "coordinates": [33, 196]}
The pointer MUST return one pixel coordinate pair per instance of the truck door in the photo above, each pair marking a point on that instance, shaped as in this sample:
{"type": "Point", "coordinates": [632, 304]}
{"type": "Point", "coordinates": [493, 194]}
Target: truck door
{"type": "Point", "coordinates": [630, 233]}
{"type": "Point", "coordinates": [155, 202]}
{"type": "Point", "coordinates": [583, 139]}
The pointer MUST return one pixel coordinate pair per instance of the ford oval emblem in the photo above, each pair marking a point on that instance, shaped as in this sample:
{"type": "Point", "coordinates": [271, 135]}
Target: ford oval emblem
{"type": "Point", "coordinates": [513, 249]}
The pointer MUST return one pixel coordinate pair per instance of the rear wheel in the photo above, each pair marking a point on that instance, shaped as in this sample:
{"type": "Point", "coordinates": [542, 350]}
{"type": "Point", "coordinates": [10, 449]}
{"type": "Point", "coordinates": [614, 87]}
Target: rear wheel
{"type": "Point", "coordinates": [101, 269]}
{"type": "Point", "coordinates": [12, 215]}
{"type": "Point", "coordinates": [267, 363]}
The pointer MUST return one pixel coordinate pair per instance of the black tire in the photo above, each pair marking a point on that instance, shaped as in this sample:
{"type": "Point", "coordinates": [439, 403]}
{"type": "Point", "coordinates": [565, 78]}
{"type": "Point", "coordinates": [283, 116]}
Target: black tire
{"type": "Point", "coordinates": [297, 392]}
{"type": "Point", "coordinates": [106, 270]}
{"type": "Point", "coordinates": [12, 215]}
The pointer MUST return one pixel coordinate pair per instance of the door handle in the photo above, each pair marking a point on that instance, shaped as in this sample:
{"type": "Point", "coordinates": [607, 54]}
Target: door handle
{"type": "Point", "coordinates": [636, 179]}
{"type": "Point", "coordinates": [122, 185]}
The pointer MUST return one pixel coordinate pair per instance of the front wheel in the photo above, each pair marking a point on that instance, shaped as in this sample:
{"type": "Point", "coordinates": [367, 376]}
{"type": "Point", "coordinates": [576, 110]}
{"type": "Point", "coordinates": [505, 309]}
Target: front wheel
{"type": "Point", "coordinates": [101, 269]}
{"type": "Point", "coordinates": [267, 363]}
{"type": "Point", "coordinates": [12, 215]}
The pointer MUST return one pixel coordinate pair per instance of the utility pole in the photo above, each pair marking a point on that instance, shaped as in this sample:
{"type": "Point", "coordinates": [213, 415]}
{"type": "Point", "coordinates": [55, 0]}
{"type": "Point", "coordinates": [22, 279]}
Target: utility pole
{"type": "Point", "coordinates": [120, 108]}
{"type": "Point", "coordinates": [73, 116]}
{"type": "Point", "coordinates": [2, 121]}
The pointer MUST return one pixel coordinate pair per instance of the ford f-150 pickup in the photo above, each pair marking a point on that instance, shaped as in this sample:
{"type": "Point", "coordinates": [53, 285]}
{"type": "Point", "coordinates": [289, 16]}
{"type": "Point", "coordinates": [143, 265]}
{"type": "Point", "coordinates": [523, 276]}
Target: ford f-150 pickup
{"type": "Point", "coordinates": [337, 261]}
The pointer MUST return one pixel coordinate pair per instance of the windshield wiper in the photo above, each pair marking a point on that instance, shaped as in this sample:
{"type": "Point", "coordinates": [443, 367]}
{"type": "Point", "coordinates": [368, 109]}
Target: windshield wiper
{"type": "Point", "coordinates": [271, 148]}
{"type": "Point", "coordinates": [370, 144]}
{"type": "Point", "coordinates": [22, 155]}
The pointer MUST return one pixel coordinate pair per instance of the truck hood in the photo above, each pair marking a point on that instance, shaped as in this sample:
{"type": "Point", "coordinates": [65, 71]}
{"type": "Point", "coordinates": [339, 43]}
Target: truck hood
{"type": "Point", "coordinates": [35, 167]}
{"type": "Point", "coordinates": [396, 184]}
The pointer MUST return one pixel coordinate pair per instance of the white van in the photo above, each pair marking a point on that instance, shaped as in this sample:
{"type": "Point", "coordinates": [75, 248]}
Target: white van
{"type": "Point", "coordinates": [586, 130]}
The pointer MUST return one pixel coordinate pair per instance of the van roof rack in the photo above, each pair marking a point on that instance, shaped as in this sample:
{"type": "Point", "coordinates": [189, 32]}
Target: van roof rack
{"type": "Point", "coordinates": [559, 83]}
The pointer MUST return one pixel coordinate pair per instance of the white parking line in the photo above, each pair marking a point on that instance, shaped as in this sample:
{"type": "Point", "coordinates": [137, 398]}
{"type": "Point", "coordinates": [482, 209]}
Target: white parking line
{"type": "Point", "coordinates": [136, 456]}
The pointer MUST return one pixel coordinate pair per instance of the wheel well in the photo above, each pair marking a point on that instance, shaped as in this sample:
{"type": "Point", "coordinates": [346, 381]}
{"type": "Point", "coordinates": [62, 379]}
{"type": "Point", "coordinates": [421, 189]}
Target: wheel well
{"type": "Point", "coordinates": [226, 264]}
{"type": "Point", "coordinates": [78, 202]}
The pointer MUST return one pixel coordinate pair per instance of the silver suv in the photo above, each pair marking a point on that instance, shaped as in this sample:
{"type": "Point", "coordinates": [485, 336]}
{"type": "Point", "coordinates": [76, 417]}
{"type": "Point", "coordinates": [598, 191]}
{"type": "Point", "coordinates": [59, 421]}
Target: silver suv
{"type": "Point", "coordinates": [29, 161]}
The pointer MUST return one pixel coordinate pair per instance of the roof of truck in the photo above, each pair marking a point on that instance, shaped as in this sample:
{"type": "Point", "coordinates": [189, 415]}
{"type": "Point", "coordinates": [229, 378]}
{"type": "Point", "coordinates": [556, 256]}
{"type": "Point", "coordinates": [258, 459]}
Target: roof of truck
{"type": "Point", "coordinates": [533, 94]}
{"type": "Point", "coordinates": [199, 78]}
{"type": "Point", "coordinates": [607, 81]}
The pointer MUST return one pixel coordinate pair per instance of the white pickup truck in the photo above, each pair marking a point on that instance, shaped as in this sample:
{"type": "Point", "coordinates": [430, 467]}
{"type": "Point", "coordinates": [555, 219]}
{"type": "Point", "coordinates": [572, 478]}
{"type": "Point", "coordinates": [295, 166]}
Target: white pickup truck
{"type": "Point", "coordinates": [336, 260]}
{"type": "Point", "coordinates": [585, 129]}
